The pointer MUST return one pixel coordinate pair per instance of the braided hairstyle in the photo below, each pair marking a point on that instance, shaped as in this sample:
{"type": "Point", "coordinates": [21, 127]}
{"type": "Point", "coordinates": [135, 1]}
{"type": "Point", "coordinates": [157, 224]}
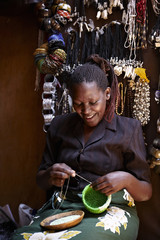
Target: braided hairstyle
{"type": "Point", "coordinates": [97, 69]}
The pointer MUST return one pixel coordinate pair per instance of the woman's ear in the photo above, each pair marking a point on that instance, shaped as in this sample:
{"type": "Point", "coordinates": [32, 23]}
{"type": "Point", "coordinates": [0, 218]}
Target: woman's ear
{"type": "Point", "coordinates": [108, 93]}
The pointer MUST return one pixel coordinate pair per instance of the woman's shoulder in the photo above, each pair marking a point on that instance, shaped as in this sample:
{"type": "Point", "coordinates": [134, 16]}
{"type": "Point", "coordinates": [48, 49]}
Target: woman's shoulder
{"type": "Point", "coordinates": [127, 122]}
{"type": "Point", "coordinates": [64, 120]}
{"type": "Point", "coordinates": [66, 117]}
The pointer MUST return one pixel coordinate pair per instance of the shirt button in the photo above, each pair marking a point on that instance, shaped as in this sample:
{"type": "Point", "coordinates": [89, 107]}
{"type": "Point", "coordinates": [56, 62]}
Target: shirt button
{"type": "Point", "coordinates": [81, 151]}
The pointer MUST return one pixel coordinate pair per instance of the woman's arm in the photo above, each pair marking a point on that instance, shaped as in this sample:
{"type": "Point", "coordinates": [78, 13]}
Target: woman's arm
{"type": "Point", "coordinates": [116, 181]}
{"type": "Point", "coordinates": [54, 176]}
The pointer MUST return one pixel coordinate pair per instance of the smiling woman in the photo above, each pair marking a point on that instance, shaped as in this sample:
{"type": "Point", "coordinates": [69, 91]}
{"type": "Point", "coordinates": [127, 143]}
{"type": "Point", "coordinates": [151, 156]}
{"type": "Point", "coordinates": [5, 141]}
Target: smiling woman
{"type": "Point", "coordinates": [106, 149]}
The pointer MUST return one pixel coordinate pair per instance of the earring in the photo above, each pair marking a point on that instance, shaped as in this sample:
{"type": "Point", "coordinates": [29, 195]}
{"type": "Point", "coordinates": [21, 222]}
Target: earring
{"type": "Point", "coordinates": [108, 96]}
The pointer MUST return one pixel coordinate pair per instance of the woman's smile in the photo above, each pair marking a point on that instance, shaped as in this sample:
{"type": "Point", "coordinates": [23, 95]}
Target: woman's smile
{"type": "Point", "coordinates": [89, 118]}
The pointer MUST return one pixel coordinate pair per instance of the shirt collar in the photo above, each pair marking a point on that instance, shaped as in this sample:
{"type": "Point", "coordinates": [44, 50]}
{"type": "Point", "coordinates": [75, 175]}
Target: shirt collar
{"type": "Point", "coordinates": [98, 132]}
{"type": "Point", "coordinates": [113, 124]}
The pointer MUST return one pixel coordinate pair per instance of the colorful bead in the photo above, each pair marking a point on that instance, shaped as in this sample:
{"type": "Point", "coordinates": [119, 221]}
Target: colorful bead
{"type": "Point", "coordinates": [64, 13]}
{"type": "Point", "coordinates": [64, 6]}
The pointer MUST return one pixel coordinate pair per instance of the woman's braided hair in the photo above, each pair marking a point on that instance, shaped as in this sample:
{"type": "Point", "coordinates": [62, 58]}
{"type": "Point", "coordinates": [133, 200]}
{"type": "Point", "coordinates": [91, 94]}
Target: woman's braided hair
{"type": "Point", "coordinates": [97, 69]}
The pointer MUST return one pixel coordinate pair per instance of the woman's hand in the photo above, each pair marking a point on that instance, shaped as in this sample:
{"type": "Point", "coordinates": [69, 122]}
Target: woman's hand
{"type": "Point", "coordinates": [110, 183]}
{"type": "Point", "coordinates": [54, 175]}
{"type": "Point", "coordinates": [116, 181]}
{"type": "Point", "coordinates": [58, 173]}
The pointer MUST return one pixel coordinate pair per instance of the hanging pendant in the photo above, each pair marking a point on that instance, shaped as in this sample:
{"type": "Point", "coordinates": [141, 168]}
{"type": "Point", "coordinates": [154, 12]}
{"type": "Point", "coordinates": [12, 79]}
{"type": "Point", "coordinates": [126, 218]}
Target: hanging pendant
{"type": "Point", "coordinates": [98, 15]}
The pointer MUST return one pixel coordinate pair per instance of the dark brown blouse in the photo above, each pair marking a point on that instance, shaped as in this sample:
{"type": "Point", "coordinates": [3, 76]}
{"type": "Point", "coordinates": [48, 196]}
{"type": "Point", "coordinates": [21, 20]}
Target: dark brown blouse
{"type": "Point", "coordinates": [115, 146]}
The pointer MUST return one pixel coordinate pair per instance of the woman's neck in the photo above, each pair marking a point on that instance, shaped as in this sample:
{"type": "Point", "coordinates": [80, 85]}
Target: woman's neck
{"type": "Point", "coordinates": [87, 132]}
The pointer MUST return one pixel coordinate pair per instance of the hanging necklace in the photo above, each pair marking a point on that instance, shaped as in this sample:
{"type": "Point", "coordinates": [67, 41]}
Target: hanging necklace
{"type": "Point", "coordinates": [129, 21]}
{"type": "Point", "coordinates": [141, 107]}
{"type": "Point", "coordinates": [122, 99]}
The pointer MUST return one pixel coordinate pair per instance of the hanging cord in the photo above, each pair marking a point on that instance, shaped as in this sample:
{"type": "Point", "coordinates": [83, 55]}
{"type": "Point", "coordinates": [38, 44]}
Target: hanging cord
{"type": "Point", "coordinates": [83, 13]}
{"type": "Point", "coordinates": [58, 197]}
{"type": "Point", "coordinates": [103, 44]}
{"type": "Point", "coordinates": [116, 41]}
{"type": "Point", "coordinates": [72, 48]}
{"type": "Point", "coordinates": [120, 45]}
{"type": "Point", "coordinates": [68, 62]}
{"type": "Point", "coordinates": [108, 41]}
{"type": "Point", "coordinates": [93, 44]}
{"type": "Point", "coordinates": [83, 54]}
{"type": "Point", "coordinates": [86, 49]}
{"type": "Point", "coordinates": [76, 49]}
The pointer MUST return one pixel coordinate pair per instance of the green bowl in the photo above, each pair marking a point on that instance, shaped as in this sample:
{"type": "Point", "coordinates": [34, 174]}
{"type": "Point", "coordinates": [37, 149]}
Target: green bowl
{"type": "Point", "coordinates": [95, 201]}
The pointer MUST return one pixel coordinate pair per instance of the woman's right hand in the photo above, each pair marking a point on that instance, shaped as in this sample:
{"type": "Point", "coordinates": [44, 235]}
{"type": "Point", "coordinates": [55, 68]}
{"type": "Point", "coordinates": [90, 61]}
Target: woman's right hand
{"type": "Point", "coordinates": [57, 174]}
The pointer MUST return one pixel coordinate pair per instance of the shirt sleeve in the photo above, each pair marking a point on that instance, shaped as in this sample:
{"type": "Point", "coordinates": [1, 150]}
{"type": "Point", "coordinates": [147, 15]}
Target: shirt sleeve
{"type": "Point", "coordinates": [135, 157]}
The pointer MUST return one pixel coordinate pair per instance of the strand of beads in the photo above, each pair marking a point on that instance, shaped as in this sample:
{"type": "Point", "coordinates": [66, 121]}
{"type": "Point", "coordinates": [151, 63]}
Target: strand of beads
{"type": "Point", "coordinates": [129, 98]}
{"type": "Point", "coordinates": [120, 85]}
{"type": "Point", "coordinates": [141, 107]}
{"type": "Point", "coordinates": [128, 18]}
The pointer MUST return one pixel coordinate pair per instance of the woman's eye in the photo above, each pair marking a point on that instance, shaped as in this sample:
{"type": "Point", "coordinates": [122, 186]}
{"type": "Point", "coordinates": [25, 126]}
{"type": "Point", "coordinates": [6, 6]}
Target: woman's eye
{"type": "Point", "coordinates": [93, 103]}
{"type": "Point", "coordinates": [77, 104]}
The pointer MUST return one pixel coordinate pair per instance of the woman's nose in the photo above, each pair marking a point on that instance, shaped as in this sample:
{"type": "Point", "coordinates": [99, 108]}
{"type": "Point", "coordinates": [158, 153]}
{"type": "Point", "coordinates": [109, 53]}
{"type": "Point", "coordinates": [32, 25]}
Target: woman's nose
{"type": "Point", "coordinates": [86, 109]}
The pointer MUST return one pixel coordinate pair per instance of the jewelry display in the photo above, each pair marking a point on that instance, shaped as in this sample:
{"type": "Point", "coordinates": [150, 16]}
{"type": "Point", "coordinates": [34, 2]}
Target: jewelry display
{"type": "Point", "coordinates": [50, 57]}
{"type": "Point", "coordinates": [135, 21]}
{"type": "Point", "coordinates": [52, 16]}
{"type": "Point", "coordinates": [49, 99]}
{"type": "Point", "coordinates": [53, 101]}
{"type": "Point", "coordinates": [116, 41]}
{"type": "Point", "coordinates": [141, 105]}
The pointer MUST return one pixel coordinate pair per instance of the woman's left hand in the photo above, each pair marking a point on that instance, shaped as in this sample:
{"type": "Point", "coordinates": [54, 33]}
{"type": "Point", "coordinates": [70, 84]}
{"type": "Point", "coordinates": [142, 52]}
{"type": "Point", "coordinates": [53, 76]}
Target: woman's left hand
{"type": "Point", "coordinates": [111, 182]}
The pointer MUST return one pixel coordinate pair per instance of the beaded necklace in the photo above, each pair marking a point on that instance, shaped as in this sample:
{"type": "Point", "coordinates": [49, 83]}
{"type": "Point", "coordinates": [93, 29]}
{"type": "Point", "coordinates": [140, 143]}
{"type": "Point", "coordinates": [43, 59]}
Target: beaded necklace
{"type": "Point", "coordinates": [120, 85]}
{"type": "Point", "coordinates": [129, 26]}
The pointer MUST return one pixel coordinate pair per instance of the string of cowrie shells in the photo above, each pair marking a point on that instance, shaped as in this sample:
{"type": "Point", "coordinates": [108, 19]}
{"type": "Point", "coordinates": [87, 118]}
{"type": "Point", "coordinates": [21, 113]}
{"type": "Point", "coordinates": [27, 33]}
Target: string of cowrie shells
{"type": "Point", "coordinates": [141, 105]}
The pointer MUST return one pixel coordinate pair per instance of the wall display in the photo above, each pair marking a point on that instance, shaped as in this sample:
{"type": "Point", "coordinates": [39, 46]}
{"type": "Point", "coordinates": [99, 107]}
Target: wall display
{"type": "Point", "coordinates": [117, 41]}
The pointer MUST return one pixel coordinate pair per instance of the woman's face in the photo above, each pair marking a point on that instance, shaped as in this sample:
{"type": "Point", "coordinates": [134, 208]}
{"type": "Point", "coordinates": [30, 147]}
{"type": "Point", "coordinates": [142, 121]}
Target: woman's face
{"type": "Point", "coordinates": [89, 102]}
